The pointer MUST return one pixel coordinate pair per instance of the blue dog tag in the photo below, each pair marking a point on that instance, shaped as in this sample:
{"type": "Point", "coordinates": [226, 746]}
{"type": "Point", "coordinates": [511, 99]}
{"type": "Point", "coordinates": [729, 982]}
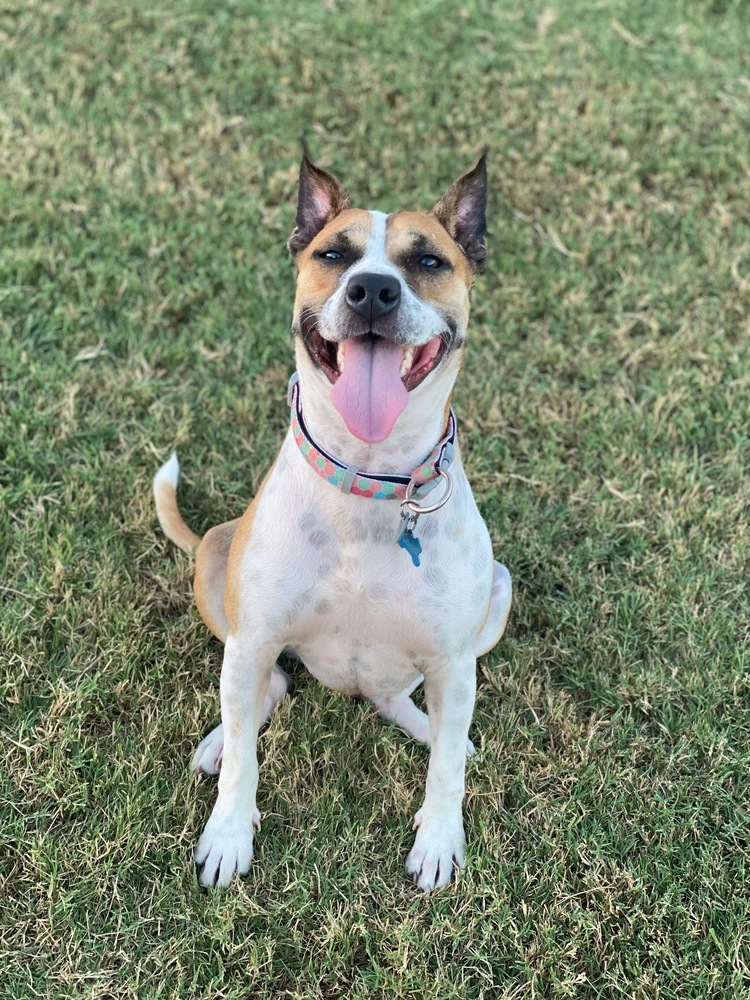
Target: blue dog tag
{"type": "Point", "coordinates": [412, 545]}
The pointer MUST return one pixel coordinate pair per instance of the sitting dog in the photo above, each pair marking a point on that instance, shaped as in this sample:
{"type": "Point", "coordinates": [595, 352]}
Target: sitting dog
{"type": "Point", "coordinates": [373, 596]}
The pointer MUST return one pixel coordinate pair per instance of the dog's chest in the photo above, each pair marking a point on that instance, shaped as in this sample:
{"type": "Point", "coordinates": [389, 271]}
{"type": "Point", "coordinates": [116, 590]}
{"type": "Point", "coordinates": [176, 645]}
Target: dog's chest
{"type": "Point", "coordinates": [364, 630]}
{"type": "Point", "coordinates": [365, 620]}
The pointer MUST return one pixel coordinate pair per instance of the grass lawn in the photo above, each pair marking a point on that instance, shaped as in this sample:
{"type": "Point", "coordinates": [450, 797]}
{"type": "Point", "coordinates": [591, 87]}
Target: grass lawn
{"type": "Point", "coordinates": [148, 156]}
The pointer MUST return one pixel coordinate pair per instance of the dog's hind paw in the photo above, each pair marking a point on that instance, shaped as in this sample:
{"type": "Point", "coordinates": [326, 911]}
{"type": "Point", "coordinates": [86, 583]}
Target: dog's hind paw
{"type": "Point", "coordinates": [207, 757]}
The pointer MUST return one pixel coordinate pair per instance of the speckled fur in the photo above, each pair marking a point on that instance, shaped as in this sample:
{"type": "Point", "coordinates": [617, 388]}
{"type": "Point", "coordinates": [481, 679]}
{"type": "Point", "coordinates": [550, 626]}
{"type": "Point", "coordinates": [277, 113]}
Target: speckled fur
{"type": "Point", "coordinates": [319, 572]}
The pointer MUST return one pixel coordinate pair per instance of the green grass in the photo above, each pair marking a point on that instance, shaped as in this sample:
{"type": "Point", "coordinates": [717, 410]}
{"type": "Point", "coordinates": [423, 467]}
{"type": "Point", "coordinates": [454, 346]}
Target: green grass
{"type": "Point", "coordinates": [147, 171]}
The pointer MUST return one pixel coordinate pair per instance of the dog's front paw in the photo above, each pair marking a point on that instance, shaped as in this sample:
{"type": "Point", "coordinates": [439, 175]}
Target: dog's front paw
{"type": "Point", "coordinates": [226, 847]}
{"type": "Point", "coordinates": [439, 850]}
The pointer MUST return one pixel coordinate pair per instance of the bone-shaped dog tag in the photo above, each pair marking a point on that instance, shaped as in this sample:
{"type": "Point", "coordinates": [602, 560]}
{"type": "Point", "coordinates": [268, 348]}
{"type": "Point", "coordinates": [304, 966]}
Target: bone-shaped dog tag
{"type": "Point", "coordinates": [412, 545]}
{"type": "Point", "coordinates": [406, 538]}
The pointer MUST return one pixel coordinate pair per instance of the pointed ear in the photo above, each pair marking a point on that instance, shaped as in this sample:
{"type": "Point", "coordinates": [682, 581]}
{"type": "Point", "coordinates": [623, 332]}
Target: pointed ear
{"type": "Point", "coordinates": [463, 212]}
{"type": "Point", "coordinates": [320, 198]}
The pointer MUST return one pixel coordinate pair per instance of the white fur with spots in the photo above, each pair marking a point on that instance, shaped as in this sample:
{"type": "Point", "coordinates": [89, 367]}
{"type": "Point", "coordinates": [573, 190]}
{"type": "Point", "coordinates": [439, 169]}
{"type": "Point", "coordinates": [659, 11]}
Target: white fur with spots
{"type": "Point", "coordinates": [322, 575]}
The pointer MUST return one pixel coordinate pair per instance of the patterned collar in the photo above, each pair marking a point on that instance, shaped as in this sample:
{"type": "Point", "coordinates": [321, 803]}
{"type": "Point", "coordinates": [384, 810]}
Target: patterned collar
{"type": "Point", "coordinates": [350, 479]}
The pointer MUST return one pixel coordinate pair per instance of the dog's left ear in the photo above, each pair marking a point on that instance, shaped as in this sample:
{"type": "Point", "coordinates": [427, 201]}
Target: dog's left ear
{"type": "Point", "coordinates": [320, 198]}
{"type": "Point", "coordinates": [463, 212]}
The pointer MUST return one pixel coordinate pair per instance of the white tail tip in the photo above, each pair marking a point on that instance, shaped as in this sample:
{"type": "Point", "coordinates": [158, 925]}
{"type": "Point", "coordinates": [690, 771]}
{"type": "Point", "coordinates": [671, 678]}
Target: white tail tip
{"type": "Point", "coordinates": [169, 472]}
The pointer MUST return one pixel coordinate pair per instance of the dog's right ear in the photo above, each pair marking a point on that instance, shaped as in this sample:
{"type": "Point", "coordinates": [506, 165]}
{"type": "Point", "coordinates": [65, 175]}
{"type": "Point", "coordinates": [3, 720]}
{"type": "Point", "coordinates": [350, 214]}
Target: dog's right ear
{"type": "Point", "coordinates": [320, 198]}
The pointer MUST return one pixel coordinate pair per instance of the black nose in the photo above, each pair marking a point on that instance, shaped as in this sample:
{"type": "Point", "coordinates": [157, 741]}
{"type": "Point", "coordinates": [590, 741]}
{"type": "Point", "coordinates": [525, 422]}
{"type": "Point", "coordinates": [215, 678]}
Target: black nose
{"type": "Point", "coordinates": [372, 295]}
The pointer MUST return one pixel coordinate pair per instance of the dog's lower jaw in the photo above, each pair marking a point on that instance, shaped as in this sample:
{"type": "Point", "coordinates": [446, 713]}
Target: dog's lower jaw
{"type": "Point", "coordinates": [414, 435]}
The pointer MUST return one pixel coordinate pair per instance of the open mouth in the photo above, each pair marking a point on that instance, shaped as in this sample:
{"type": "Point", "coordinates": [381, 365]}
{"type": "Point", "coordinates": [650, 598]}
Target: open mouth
{"type": "Point", "coordinates": [417, 361]}
{"type": "Point", "coordinates": [371, 376]}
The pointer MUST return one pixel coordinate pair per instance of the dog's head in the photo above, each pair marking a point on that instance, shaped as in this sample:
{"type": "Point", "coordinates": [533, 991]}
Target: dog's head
{"type": "Point", "coordinates": [382, 301]}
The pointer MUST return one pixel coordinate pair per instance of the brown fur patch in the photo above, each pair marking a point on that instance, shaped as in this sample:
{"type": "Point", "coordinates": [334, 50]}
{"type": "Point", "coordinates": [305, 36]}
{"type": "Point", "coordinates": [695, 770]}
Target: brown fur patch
{"type": "Point", "coordinates": [211, 576]}
{"type": "Point", "coordinates": [318, 280]}
{"type": "Point", "coordinates": [410, 235]}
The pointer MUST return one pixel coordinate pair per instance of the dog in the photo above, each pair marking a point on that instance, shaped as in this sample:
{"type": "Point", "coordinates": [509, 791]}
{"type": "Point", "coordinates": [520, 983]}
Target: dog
{"type": "Point", "coordinates": [374, 597]}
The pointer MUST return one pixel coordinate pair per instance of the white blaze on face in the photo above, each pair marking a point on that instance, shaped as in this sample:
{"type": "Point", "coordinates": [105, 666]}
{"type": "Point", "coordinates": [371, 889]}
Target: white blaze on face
{"type": "Point", "coordinates": [375, 253]}
{"type": "Point", "coordinates": [369, 393]}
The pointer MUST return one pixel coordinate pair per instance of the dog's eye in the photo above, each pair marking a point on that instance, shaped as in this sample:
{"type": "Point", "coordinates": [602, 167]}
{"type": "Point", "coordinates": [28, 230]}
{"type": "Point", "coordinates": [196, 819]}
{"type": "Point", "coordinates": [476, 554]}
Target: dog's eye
{"type": "Point", "coordinates": [329, 254]}
{"type": "Point", "coordinates": [431, 261]}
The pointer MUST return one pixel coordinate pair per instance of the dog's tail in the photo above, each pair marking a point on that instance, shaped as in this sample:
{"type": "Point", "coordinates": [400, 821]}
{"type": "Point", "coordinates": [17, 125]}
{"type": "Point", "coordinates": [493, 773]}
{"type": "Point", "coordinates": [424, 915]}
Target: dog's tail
{"type": "Point", "coordinates": [165, 496]}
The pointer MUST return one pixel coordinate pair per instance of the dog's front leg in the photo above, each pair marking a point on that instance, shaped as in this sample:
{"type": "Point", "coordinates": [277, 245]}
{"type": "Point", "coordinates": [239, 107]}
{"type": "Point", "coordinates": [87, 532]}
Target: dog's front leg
{"type": "Point", "coordinates": [226, 846]}
{"type": "Point", "coordinates": [440, 844]}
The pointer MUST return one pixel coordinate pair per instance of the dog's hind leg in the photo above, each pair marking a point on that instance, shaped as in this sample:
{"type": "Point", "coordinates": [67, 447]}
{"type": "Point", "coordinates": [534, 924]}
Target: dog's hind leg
{"type": "Point", "coordinates": [210, 580]}
{"type": "Point", "coordinates": [208, 755]}
{"type": "Point", "coordinates": [208, 586]}
{"type": "Point", "coordinates": [497, 610]}
{"type": "Point", "coordinates": [402, 712]}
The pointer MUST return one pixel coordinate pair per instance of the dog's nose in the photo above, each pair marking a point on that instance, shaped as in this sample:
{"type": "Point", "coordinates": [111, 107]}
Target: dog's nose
{"type": "Point", "coordinates": [372, 295]}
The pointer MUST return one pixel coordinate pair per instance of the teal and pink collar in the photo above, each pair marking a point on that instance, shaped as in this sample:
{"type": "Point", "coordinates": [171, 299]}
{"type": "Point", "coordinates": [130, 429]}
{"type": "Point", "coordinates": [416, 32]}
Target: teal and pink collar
{"type": "Point", "coordinates": [350, 479]}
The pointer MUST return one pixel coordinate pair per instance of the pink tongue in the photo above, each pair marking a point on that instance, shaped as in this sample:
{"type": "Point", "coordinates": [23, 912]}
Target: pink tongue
{"type": "Point", "coordinates": [369, 393]}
